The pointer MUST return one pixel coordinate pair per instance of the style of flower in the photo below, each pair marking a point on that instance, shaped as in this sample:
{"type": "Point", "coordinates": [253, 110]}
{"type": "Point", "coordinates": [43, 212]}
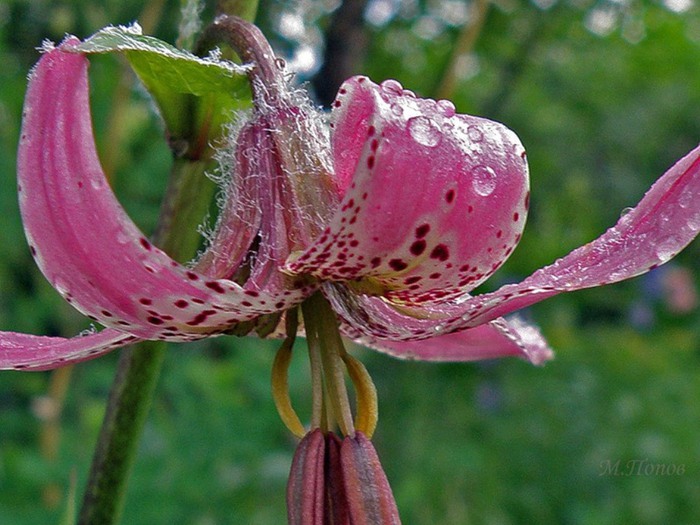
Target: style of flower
{"type": "Point", "coordinates": [394, 211]}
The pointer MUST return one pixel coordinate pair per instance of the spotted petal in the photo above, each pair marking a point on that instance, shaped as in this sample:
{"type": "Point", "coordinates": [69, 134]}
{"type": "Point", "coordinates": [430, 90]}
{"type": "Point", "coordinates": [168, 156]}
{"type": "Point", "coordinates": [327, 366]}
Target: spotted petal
{"type": "Point", "coordinates": [498, 338]}
{"type": "Point", "coordinates": [86, 245]}
{"type": "Point", "coordinates": [33, 352]}
{"type": "Point", "coordinates": [434, 202]}
{"type": "Point", "coordinates": [662, 224]}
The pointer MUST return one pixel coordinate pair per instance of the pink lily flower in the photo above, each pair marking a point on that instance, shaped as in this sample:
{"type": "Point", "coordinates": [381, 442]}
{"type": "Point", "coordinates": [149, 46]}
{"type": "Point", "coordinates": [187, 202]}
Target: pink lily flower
{"type": "Point", "coordinates": [405, 209]}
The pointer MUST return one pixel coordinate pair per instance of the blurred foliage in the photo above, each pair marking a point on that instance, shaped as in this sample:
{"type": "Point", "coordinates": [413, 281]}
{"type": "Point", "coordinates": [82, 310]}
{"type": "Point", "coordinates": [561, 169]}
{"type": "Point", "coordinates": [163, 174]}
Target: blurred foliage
{"type": "Point", "coordinates": [604, 95]}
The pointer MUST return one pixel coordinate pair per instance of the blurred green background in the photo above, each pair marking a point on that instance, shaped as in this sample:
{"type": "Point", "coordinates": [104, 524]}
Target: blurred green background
{"type": "Point", "coordinates": [604, 95]}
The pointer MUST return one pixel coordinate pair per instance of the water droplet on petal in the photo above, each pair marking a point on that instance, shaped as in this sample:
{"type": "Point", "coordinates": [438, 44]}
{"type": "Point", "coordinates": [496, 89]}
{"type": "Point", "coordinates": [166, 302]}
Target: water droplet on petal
{"type": "Point", "coordinates": [686, 198]}
{"type": "Point", "coordinates": [424, 131]}
{"type": "Point", "coordinates": [484, 180]}
{"type": "Point", "coordinates": [97, 183]}
{"type": "Point", "coordinates": [397, 109]}
{"type": "Point", "coordinates": [60, 287]}
{"type": "Point", "coordinates": [392, 86]}
{"type": "Point", "coordinates": [666, 249]}
{"type": "Point", "coordinates": [123, 237]}
{"type": "Point", "coordinates": [447, 107]}
{"type": "Point", "coordinates": [623, 215]}
{"type": "Point", "coordinates": [694, 222]}
{"type": "Point", "coordinates": [475, 134]}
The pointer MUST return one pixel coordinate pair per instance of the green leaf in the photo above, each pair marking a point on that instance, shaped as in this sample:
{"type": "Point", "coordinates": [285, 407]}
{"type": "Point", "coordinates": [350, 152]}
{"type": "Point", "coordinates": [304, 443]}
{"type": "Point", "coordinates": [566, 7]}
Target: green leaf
{"type": "Point", "coordinates": [195, 95]}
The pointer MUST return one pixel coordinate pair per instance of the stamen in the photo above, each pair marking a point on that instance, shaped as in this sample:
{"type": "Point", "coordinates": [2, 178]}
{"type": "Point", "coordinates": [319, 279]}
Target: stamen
{"type": "Point", "coordinates": [365, 394]}
{"type": "Point", "coordinates": [280, 378]}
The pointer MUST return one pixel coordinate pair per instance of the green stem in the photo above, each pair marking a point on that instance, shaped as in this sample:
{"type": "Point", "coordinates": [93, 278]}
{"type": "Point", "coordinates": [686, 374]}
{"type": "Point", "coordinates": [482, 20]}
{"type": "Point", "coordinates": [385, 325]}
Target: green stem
{"type": "Point", "coordinates": [127, 408]}
{"type": "Point", "coordinates": [139, 365]}
{"type": "Point", "coordinates": [464, 45]}
{"type": "Point", "coordinates": [186, 202]}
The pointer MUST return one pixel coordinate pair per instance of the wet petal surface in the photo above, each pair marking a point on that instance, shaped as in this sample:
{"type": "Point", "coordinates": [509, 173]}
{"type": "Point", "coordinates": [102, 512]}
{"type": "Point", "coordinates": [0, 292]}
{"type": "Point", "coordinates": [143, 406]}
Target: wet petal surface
{"type": "Point", "coordinates": [434, 202]}
{"type": "Point", "coordinates": [87, 246]}
{"type": "Point", "coordinates": [663, 223]}
{"type": "Point", "coordinates": [33, 352]}
{"type": "Point", "coordinates": [496, 339]}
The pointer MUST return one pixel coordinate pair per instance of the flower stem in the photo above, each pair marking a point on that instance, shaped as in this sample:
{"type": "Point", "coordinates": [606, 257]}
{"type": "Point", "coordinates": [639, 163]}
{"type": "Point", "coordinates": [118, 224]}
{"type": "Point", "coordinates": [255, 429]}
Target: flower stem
{"type": "Point", "coordinates": [187, 200]}
{"type": "Point", "coordinates": [139, 365]}
{"type": "Point", "coordinates": [127, 408]}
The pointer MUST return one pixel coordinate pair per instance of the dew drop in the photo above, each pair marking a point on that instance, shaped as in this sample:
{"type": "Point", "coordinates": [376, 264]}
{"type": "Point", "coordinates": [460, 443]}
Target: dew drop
{"type": "Point", "coordinates": [424, 131]}
{"type": "Point", "coordinates": [123, 237]}
{"type": "Point", "coordinates": [392, 86]}
{"type": "Point", "coordinates": [475, 134]}
{"type": "Point", "coordinates": [97, 183]}
{"type": "Point", "coordinates": [686, 199]}
{"type": "Point", "coordinates": [61, 287]}
{"type": "Point", "coordinates": [666, 249]}
{"type": "Point", "coordinates": [624, 219]}
{"type": "Point", "coordinates": [447, 108]}
{"type": "Point", "coordinates": [397, 109]}
{"type": "Point", "coordinates": [484, 180]}
{"type": "Point", "coordinates": [694, 222]}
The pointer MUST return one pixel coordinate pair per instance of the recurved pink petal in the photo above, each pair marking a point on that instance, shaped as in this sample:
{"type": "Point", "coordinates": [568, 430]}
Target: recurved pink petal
{"type": "Point", "coordinates": [662, 224]}
{"type": "Point", "coordinates": [33, 352]}
{"type": "Point", "coordinates": [434, 202]}
{"type": "Point", "coordinates": [86, 245]}
{"type": "Point", "coordinates": [240, 216]}
{"type": "Point", "coordinates": [496, 339]}
{"type": "Point", "coordinates": [421, 333]}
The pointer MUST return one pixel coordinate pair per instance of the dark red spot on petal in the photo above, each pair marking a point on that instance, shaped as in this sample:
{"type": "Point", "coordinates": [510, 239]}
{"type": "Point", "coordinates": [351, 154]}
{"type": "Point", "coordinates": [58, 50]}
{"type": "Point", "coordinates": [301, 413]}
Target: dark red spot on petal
{"type": "Point", "coordinates": [213, 285]}
{"type": "Point", "coordinates": [181, 303]}
{"type": "Point", "coordinates": [422, 231]}
{"type": "Point", "coordinates": [192, 276]}
{"type": "Point", "coordinates": [146, 301]}
{"type": "Point", "coordinates": [440, 252]}
{"type": "Point", "coordinates": [370, 161]}
{"type": "Point", "coordinates": [516, 216]}
{"type": "Point", "coordinates": [418, 247]}
{"type": "Point", "coordinates": [450, 196]}
{"type": "Point", "coordinates": [376, 261]}
{"type": "Point", "coordinates": [155, 320]}
{"type": "Point", "coordinates": [397, 264]}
